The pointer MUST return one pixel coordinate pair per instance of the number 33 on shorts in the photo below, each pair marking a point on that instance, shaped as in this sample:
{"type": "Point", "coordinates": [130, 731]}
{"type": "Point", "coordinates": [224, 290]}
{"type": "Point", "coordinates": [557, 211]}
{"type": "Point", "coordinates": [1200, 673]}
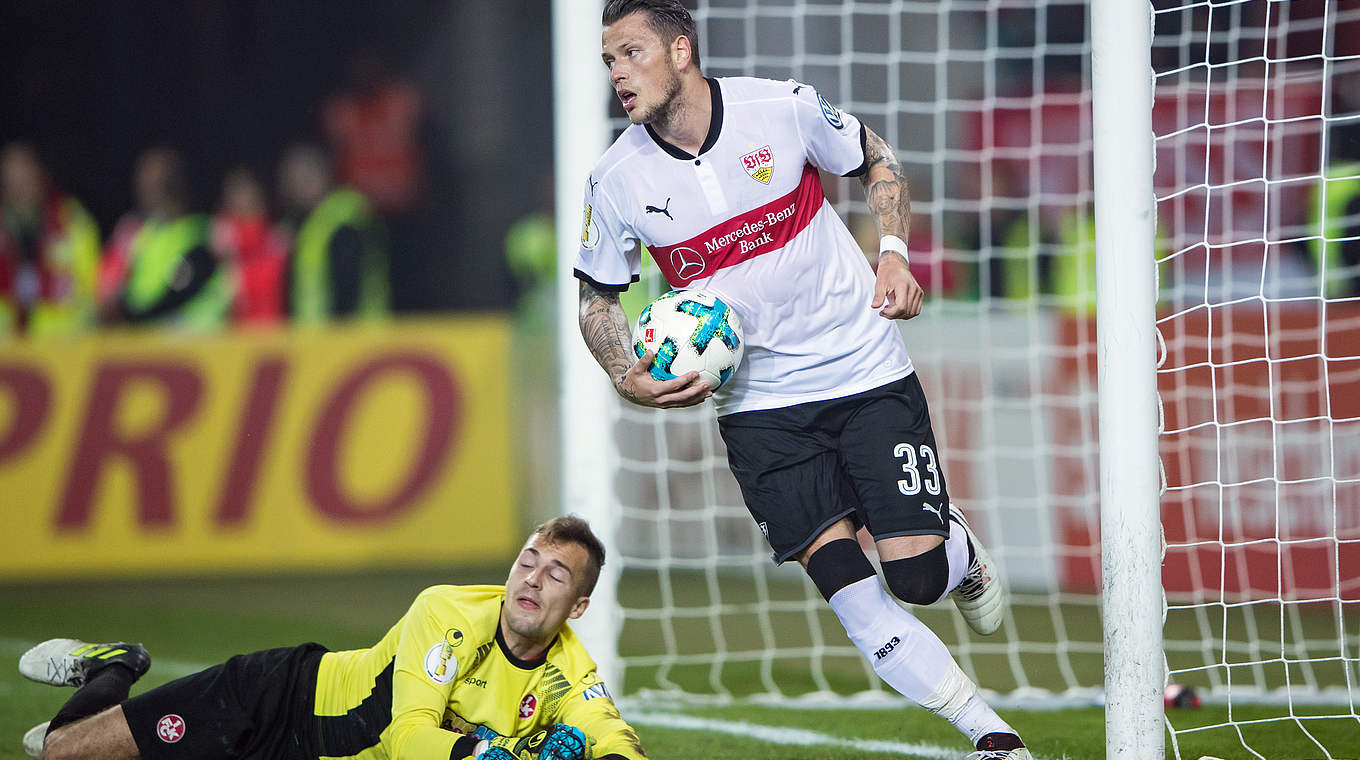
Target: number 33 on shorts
{"type": "Point", "coordinates": [926, 475]}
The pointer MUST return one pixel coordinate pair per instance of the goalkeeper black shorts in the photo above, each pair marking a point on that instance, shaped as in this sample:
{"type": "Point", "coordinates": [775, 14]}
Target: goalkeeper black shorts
{"type": "Point", "coordinates": [870, 457]}
{"type": "Point", "coordinates": [256, 705]}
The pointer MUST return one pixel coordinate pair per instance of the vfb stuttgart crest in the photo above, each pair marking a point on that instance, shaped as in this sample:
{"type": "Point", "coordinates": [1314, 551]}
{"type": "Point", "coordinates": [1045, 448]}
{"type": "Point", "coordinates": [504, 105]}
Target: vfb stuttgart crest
{"type": "Point", "coordinates": [759, 163]}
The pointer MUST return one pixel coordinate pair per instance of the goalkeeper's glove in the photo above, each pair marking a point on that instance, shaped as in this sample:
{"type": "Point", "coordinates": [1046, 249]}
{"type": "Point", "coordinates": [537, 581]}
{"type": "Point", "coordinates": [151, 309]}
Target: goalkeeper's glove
{"type": "Point", "coordinates": [507, 748]}
{"type": "Point", "coordinates": [500, 748]}
{"type": "Point", "coordinates": [563, 742]}
{"type": "Point", "coordinates": [557, 742]}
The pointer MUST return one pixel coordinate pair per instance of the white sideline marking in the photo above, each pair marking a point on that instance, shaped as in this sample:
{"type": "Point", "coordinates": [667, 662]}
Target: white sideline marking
{"type": "Point", "coordinates": [797, 736]}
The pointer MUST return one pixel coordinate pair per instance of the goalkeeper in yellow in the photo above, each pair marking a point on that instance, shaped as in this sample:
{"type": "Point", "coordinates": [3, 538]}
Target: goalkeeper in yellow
{"type": "Point", "coordinates": [479, 672]}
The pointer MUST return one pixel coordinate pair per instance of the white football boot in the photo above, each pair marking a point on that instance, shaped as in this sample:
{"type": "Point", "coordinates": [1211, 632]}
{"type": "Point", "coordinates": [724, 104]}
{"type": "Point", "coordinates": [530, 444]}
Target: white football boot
{"type": "Point", "coordinates": [33, 739]}
{"type": "Point", "coordinates": [980, 596]}
{"type": "Point", "coordinates": [69, 662]}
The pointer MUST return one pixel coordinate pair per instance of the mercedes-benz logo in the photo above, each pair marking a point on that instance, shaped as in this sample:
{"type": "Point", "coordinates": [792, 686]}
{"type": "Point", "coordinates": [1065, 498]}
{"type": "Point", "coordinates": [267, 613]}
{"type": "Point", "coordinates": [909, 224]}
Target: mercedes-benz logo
{"type": "Point", "coordinates": [687, 263]}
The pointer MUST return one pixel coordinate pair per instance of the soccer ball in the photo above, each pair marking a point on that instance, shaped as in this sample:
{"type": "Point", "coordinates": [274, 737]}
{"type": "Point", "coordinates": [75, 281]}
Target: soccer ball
{"type": "Point", "coordinates": [690, 330]}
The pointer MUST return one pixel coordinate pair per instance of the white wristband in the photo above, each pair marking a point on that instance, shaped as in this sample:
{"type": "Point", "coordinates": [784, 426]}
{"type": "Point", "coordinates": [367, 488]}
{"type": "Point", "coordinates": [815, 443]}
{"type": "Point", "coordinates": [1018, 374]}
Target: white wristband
{"type": "Point", "coordinates": [893, 243]}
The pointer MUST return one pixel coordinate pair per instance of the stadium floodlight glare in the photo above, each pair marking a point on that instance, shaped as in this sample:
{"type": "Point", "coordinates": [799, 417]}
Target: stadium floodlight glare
{"type": "Point", "coordinates": [1068, 170]}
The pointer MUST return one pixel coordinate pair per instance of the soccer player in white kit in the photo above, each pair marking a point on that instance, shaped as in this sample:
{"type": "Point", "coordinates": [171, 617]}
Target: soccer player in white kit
{"type": "Point", "coordinates": [825, 422]}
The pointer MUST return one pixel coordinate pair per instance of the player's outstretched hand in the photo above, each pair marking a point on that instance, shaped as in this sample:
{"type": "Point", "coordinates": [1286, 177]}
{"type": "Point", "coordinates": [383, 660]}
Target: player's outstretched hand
{"type": "Point", "coordinates": [638, 386]}
{"type": "Point", "coordinates": [895, 289]}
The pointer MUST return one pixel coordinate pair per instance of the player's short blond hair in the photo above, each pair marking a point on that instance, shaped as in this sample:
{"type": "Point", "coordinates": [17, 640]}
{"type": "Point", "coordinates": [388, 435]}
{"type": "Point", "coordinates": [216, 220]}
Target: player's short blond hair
{"type": "Point", "coordinates": [575, 530]}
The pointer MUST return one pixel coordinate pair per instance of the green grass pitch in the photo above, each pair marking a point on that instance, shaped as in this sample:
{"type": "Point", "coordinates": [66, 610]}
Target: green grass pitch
{"type": "Point", "coordinates": [191, 622]}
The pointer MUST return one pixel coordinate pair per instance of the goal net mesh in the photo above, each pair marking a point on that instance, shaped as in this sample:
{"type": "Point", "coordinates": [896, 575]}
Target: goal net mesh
{"type": "Point", "coordinates": [1257, 116]}
{"type": "Point", "coordinates": [988, 104]}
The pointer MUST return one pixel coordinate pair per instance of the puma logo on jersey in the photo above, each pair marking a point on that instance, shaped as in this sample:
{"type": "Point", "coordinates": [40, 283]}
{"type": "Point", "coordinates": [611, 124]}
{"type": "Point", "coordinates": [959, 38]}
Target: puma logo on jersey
{"type": "Point", "coordinates": [665, 210]}
{"type": "Point", "coordinates": [935, 510]}
{"type": "Point", "coordinates": [593, 182]}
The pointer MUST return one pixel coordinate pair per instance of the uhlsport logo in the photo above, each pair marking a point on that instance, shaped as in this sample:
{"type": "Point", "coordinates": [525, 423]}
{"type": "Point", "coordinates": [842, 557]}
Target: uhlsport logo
{"type": "Point", "coordinates": [687, 263]}
{"type": "Point", "coordinates": [170, 728]}
{"type": "Point", "coordinates": [527, 706]}
{"type": "Point", "coordinates": [759, 163]}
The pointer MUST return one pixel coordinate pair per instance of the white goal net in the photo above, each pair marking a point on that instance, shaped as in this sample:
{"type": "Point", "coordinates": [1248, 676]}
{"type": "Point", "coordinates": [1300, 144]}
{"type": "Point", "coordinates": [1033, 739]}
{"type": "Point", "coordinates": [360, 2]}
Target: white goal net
{"type": "Point", "coordinates": [988, 103]}
{"type": "Point", "coordinates": [1257, 119]}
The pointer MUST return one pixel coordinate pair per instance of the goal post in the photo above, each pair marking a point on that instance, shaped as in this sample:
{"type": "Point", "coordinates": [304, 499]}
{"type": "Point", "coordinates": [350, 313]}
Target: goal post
{"type": "Point", "coordinates": [1126, 296]}
{"type": "Point", "coordinates": [586, 407]}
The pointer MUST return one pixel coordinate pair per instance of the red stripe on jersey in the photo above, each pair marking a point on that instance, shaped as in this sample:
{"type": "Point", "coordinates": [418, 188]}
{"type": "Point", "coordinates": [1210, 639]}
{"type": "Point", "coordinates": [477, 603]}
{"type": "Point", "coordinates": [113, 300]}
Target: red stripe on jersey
{"type": "Point", "coordinates": [761, 230]}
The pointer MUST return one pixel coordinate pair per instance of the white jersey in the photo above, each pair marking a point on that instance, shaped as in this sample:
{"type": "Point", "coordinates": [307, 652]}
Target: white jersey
{"type": "Point", "coordinates": [747, 219]}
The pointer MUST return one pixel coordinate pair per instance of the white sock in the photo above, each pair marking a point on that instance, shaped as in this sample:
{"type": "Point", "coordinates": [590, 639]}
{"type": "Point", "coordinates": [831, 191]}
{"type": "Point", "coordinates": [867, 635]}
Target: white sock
{"type": "Point", "coordinates": [956, 550]}
{"type": "Point", "coordinates": [911, 659]}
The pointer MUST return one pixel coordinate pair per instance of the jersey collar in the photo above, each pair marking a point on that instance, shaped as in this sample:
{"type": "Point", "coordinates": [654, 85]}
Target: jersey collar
{"type": "Point", "coordinates": [714, 126]}
{"type": "Point", "coordinates": [517, 662]}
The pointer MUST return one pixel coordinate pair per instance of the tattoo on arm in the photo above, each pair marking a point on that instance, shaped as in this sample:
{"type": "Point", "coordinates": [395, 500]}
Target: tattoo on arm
{"type": "Point", "coordinates": [605, 329]}
{"type": "Point", "coordinates": [885, 187]}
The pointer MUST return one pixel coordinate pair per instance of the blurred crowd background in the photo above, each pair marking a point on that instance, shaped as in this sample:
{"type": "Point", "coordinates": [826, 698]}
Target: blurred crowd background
{"type": "Point", "coordinates": [211, 163]}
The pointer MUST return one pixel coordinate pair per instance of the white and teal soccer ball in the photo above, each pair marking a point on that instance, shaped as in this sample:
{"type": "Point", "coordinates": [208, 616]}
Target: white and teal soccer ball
{"type": "Point", "coordinates": [690, 330]}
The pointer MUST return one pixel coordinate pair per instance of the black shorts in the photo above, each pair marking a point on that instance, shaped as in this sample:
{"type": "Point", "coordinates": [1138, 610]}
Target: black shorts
{"type": "Point", "coordinates": [870, 457]}
{"type": "Point", "coordinates": [255, 705]}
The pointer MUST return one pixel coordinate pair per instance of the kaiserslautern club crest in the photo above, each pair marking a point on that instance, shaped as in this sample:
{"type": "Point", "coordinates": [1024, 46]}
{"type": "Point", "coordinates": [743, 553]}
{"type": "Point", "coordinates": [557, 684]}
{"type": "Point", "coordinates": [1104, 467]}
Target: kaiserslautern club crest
{"type": "Point", "coordinates": [759, 163]}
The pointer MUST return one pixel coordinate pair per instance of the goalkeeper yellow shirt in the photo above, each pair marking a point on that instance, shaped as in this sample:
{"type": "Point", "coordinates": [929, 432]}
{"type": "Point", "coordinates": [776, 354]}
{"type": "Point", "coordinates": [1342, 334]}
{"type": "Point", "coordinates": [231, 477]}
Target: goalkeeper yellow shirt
{"type": "Point", "coordinates": [444, 671]}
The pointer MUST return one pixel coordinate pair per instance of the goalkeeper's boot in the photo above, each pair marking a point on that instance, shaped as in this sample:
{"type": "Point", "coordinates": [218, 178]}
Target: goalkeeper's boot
{"type": "Point", "coordinates": [33, 739]}
{"type": "Point", "coordinates": [980, 596]}
{"type": "Point", "coordinates": [1000, 746]}
{"type": "Point", "coordinates": [71, 662]}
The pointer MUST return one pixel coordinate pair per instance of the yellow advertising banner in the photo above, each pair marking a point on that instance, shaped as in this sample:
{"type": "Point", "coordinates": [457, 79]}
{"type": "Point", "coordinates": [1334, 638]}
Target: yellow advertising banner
{"type": "Point", "coordinates": [343, 446]}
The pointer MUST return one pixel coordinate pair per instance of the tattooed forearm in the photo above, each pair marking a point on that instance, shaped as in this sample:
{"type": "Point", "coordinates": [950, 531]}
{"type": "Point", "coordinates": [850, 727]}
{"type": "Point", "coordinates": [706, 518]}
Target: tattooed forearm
{"type": "Point", "coordinates": [885, 187]}
{"type": "Point", "coordinates": [605, 329]}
